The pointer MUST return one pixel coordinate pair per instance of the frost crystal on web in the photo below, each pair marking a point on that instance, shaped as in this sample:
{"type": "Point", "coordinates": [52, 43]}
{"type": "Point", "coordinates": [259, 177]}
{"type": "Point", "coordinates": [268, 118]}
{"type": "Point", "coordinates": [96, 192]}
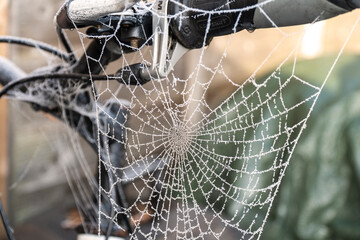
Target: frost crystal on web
{"type": "Point", "coordinates": [189, 170]}
{"type": "Point", "coordinates": [172, 163]}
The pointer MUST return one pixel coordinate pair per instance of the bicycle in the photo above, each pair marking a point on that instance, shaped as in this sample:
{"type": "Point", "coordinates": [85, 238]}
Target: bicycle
{"type": "Point", "coordinates": [172, 28]}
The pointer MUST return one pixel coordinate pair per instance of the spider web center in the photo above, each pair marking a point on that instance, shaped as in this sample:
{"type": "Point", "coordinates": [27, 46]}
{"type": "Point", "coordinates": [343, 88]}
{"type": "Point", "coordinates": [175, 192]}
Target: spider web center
{"type": "Point", "coordinates": [179, 139]}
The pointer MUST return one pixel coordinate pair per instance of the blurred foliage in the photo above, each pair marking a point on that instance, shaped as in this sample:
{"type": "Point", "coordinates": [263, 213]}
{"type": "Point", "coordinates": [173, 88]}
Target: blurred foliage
{"type": "Point", "coordinates": [319, 197]}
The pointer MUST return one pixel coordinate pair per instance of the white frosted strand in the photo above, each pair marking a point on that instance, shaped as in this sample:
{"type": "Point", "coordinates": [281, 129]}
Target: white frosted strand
{"type": "Point", "coordinates": [185, 202]}
{"type": "Point", "coordinates": [80, 190]}
{"type": "Point", "coordinates": [252, 190]}
{"type": "Point", "coordinates": [211, 78]}
{"type": "Point", "coordinates": [272, 22]}
{"type": "Point", "coordinates": [80, 157]}
{"type": "Point", "coordinates": [147, 111]}
{"type": "Point", "coordinates": [313, 105]}
{"type": "Point", "coordinates": [198, 68]}
{"type": "Point", "coordinates": [75, 171]}
{"type": "Point", "coordinates": [254, 125]}
{"type": "Point", "coordinates": [233, 158]}
{"type": "Point", "coordinates": [234, 130]}
{"type": "Point", "coordinates": [215, 213]}
{"type": "Point", "coordinates": [98, 135]}
{"type": "Point", "coordinates": [198, 10]}
{"type": "Point", "coordinates": [158, 205]}
{"type": "Point", "coordinates": [24, 172]}
{"type": "Point", "coordinates": [133, 114]}
{"type": "Point", "coordinates": [78, 201]}
{"type": "Point", "coordinates": [166, 104]}
{"type": "Point", "coordinates": [99, 171]}
{"type": "Point", "coordinates": [201, 213]}
{"type": "Point", "coordinates": [171, 201]}
{"type": "Point", "coordinates": [250, 79]}
{"type": "Point", "coordinates": [157, 181]}
{"type": "Point", "coordinates": [305, 82]}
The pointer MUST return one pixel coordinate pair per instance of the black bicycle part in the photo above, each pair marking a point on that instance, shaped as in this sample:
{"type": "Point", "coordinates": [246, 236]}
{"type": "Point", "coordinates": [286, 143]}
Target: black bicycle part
{"type": "Point", "coordinates": [112, 121]}
{"type": "Point", "coordinates": [98, 55]}
{"type": "Point", "coordinates": [115, 121]}
{"type": "Point", "coordinates": [96, 58]}
{"type": "Point", "coordinates": [36, 44]}
{"type": "Point", "coordinates": [97, 50]}
{"type": "Point", "coordinates": [132, 75]}
{"type": "Point", "coordinates": [85, 126]}
{"type": "Point", "coordinates": [60, 76]}
{"type": "Point", "coordinates": [195, 29]}
{"type": "Point", "coordinates": [346, 4]}
{"type": "Point", "coordinates": [62, 19]}
{"type": "Point", "coordinates": [6, 223]}
{"type": "Point", "coordinates": [353, 3]}
{"type": "Point", "coordinates": [131, 31]}
{"type": "Point", "coordinates": [65, 42]}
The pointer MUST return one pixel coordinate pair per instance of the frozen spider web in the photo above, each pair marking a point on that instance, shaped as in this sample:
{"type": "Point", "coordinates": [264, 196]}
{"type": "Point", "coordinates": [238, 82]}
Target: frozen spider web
{"type": "Point", "coordinates": [173, 162]}
{"type": "Point", "coordinates": [190, 170]}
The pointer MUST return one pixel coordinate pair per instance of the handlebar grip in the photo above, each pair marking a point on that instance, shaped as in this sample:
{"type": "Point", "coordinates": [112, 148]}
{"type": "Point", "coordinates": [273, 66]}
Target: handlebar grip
{"type": "Point", "coordinates": [346, 4]}
{"type": "Point", "coordinates": [82, 12]}
{"type": "Point", "coordinates": [192, 26]}
{"type": "Point", "coordinates": [201, 20]}
{"type": "Point", "coordinates": [354, 3]}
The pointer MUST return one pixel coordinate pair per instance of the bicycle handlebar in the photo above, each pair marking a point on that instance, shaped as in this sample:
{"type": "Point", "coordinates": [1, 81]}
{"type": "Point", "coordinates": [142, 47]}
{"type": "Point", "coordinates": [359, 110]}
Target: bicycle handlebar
{"type": "Point", "coordinates": [190, 27]}
{"type": "Point", "coordinates": [9, 72]}
{"type": "Point", "coordinates": [233, 16]}
{"type": "Point", "coordinates": [194, 23]}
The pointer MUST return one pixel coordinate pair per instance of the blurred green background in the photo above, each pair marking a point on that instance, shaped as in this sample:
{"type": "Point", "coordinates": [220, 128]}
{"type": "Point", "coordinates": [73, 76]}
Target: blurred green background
{"type": "Point", "coordinates": [319, 197]}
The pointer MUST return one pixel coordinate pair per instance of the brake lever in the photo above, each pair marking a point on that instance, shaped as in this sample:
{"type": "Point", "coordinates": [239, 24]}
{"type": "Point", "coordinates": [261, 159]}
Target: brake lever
{"type": "Point", "coordinates": [167, 51]}
{"type": "Point", "coordinates": [186, 34]}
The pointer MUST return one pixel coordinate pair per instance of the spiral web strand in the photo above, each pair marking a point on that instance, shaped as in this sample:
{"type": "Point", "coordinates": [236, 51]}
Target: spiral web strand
{"type": "Point", "coordinates": [173, 164]}
{"type": "Point", "coordinates": [190, 186]}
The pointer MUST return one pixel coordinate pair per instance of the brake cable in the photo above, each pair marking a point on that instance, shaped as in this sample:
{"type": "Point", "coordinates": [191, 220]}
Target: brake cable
{"type": "Point", "coordinates": [40, 45]}
{"type": "Point", "coordinates": [6, 223]}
